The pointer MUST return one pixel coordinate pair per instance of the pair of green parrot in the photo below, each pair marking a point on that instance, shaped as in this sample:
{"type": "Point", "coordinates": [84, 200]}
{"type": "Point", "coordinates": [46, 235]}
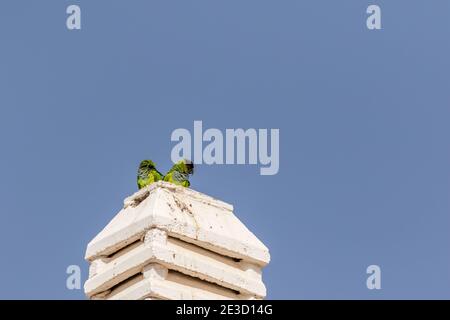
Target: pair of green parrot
{"type": "Point", "coordinates": [178, 174]}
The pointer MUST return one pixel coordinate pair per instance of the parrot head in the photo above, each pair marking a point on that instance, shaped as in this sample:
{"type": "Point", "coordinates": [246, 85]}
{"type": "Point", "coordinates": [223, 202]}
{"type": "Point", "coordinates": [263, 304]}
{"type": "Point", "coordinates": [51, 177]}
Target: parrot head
{"type": "Point", "coordinates": [186, 166]}
{"type": "Point", "coordinates": [147, 165]}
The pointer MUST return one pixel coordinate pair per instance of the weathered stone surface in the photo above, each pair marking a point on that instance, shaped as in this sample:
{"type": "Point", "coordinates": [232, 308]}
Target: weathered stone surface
{"type": "Point", "coordinates": [180, 256]}
{"type": "Point", "coordinates": [171, 242]}
{"type": "Point", "coordinates": [185, 214]}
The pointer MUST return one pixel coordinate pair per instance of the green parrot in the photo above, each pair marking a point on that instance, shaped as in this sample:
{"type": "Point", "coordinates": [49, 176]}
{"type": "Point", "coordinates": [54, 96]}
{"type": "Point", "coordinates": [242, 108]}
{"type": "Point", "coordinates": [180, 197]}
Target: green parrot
{"type": "Point", "coordinates": [179, 173]}
{"type": "Point", "coordinates": [147, 174]}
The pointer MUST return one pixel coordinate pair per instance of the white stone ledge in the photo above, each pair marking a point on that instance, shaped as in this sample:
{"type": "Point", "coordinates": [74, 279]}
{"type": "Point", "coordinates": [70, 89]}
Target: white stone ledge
{"type": "Point", "coordinates": [176, 255]}
{"type": "Point", "coordinates": [174, 287]}
{"type": "Point", "coordinates": [185, 214]}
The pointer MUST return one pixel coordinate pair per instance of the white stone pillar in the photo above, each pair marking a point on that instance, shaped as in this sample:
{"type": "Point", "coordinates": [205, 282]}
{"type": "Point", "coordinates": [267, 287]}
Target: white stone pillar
{"type": "Point", "coordinates": [170, 242]}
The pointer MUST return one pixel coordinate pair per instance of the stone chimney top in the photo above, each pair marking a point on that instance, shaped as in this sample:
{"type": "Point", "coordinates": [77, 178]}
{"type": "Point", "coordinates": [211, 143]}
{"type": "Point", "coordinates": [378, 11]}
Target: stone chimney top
{"type": "Point", "coordinates": [171, 242]}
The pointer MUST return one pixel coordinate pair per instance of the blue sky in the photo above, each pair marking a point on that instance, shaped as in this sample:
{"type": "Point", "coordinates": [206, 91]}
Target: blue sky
{"type": "Point", "coordinates": [364, 137]}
